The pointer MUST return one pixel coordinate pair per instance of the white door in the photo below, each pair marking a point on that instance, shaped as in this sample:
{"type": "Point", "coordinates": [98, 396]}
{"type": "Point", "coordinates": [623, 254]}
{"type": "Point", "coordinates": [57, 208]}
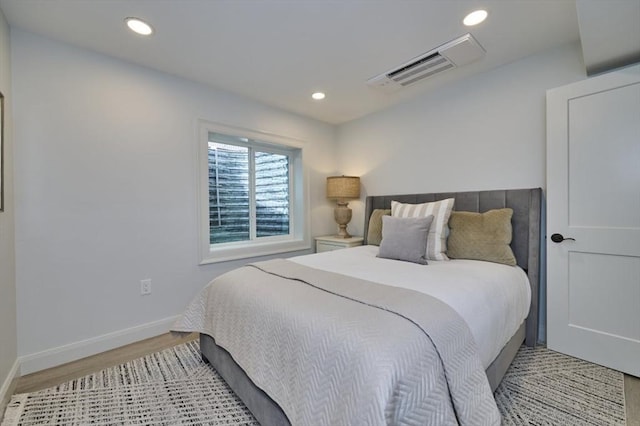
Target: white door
{"type": "Point", "coordinates": [593, 197]}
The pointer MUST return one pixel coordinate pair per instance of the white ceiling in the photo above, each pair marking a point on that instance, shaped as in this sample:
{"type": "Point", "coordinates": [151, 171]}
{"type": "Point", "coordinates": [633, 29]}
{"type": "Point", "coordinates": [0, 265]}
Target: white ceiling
{"type": "Point", "coordinates": [280, 51]}
{"type": "Point", "coordinates": [610, 33]}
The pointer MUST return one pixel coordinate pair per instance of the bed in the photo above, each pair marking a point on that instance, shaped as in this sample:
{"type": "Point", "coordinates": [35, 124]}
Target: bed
{"type": "Point", "coordinates": [525, 244]}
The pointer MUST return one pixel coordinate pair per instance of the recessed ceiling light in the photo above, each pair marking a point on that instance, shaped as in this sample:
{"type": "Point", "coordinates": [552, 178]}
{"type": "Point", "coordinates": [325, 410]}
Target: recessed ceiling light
{"type": "Point", "coordinates": [475, 17]}
{"type": "Point", "coordinates": [137, 25]}
{"type": "Point", "coordinates": [318, 96]}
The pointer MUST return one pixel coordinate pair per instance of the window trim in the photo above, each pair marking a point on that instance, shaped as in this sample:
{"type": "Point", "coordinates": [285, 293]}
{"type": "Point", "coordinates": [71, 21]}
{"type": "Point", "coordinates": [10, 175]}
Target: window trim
{"type": "Point", "coordinates": [299, 238]}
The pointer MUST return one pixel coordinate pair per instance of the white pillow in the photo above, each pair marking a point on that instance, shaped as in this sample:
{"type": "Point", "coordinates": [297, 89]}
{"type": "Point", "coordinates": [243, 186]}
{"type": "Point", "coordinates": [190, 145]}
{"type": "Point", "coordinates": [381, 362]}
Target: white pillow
{"type": "Point", "coordinates": [441, 210]}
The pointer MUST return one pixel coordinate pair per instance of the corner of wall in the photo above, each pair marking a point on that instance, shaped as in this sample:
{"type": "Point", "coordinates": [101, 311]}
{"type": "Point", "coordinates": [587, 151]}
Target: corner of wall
{"type": "Point", "coordinates": [9, 364]}
{"type": "Point", "coordinates": [8, 387]}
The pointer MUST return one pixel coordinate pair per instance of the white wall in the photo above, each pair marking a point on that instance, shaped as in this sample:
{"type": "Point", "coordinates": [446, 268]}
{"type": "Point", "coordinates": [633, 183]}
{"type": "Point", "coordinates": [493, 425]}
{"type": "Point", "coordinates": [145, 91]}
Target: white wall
{"type": "Point", "coordinates": [105, 180]}
{"type": "Point", "coordinates": [486, 132]}
{"type": "Point", "coordinates": [8, 339]}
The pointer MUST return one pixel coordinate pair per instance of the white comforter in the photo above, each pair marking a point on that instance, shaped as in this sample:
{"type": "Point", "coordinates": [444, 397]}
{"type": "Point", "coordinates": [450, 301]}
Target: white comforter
{"type": "Point", "coordinates": [492, 298]}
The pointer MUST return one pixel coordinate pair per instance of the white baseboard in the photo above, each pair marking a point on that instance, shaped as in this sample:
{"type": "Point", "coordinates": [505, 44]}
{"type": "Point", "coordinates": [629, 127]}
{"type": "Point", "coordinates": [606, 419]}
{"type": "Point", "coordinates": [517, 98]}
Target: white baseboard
{"type": "Point", "coordinates": [7, 386]}
{"type": "Point", "coordinates": [84, 348]}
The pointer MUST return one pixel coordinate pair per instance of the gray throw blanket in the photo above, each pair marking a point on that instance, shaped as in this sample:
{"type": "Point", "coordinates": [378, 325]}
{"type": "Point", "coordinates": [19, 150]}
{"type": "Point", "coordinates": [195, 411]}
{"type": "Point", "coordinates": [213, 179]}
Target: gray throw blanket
{"type": "Point", "coordinates": [335, 350]}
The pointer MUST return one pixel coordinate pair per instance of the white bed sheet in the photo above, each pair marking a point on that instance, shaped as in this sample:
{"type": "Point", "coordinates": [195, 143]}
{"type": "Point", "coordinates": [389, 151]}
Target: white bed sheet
{"type": "Point", "coordinates": [492, 298]}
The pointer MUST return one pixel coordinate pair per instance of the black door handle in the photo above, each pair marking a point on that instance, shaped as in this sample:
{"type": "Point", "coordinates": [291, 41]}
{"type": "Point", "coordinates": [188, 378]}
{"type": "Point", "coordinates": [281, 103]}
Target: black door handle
{"type": "Point", "coordinates": [558, 238]}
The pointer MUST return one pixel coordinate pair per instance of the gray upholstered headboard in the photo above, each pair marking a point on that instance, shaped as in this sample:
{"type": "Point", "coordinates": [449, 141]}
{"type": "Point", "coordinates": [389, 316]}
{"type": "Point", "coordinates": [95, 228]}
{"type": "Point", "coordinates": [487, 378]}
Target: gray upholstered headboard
{"type": "Point", "coordinates": [526, 223]}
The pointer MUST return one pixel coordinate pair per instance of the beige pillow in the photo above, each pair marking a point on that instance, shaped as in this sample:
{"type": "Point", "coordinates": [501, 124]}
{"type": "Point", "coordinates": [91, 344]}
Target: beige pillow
{"type": "Point", "coordinates": [441, 210]}
{"type": "Point", "coordinates": [481, 236]}
{"type": "Point", "coordinates": [374, 232]}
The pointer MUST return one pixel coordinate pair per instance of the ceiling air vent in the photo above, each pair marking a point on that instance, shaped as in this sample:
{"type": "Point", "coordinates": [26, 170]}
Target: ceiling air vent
{"type": "Point", "coordinates": [455, 53]}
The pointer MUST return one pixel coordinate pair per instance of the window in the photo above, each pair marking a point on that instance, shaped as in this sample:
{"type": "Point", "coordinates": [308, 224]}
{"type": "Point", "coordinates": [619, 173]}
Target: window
{"type": "Point", "coordinates": [252, 199]}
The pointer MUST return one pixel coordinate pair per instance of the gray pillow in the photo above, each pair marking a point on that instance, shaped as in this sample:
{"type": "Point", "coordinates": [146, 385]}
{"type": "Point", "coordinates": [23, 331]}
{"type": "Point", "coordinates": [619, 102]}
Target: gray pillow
{"type": "Point", "coordinates": [405, 238]}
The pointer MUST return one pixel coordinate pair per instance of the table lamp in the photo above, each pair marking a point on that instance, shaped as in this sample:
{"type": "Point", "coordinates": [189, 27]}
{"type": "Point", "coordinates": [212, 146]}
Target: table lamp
{"type": "Point", "coordinates": [342, 189]}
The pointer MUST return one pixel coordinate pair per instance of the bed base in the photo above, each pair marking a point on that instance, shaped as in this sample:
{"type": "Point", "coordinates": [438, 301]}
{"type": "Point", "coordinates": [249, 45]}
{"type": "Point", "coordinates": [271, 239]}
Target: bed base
{"type": "Point", "coordinates": [263, 408]}
{"type": "Point", "coordinates": [497, 369]}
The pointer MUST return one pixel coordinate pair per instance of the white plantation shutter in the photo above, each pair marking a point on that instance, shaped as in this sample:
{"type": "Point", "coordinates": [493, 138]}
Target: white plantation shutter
{"type": "Point", "coordinates": [272, 194]}
{"type": "Point", "coordinates": [229, 213]}
{"type": "Point", "coordinates": [251, 194]}
{"type": "Point", "coordinates": [246, 182]}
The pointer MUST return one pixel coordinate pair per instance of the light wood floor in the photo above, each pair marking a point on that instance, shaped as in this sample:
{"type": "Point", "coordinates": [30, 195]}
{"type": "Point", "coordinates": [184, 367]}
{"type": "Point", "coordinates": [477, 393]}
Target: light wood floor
{"type": "Point", "coordinates": [73, 370]}
{"type": "Point", "coordinates": [632, 399]}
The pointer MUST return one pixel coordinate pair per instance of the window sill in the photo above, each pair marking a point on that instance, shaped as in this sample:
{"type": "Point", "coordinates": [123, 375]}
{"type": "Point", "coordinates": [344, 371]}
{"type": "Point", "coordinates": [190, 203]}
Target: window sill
{"type": "Point", "coordinates": [253, 250]}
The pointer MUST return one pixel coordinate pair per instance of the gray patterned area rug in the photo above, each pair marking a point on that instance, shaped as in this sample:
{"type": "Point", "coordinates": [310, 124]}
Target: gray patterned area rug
{"type": "Point", "coordinates": [174, 387]}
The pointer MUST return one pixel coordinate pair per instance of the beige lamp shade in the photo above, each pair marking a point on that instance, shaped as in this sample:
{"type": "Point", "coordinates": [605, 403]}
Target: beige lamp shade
{"type": "Point", "coordinates": [343, 187]}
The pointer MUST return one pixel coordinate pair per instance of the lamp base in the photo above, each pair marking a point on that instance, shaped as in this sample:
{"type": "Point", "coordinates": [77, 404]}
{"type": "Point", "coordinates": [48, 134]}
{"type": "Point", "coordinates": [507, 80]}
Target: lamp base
{"type": "Point", "coordinates": [342, 232]}
{"type": "Point", "coordinates": [342, 216]}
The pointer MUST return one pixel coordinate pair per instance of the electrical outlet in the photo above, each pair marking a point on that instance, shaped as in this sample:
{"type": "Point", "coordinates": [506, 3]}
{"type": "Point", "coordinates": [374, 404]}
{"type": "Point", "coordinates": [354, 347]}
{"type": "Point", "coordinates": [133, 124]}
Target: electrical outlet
{"type": "Point", "coordinates": [145, 287]}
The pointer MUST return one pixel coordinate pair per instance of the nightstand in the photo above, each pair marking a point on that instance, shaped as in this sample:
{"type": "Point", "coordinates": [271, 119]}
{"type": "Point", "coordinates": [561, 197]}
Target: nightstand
{"type": "Point", "coordinates": [331, 242]}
